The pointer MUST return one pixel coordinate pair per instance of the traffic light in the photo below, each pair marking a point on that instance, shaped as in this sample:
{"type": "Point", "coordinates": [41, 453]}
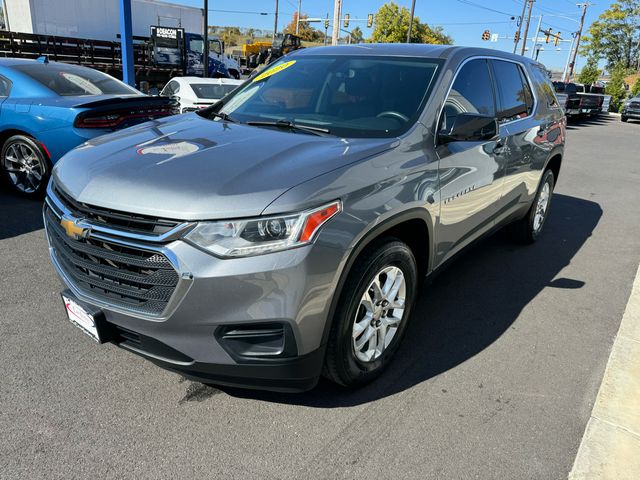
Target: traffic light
{"type": "Point", "coordinates": [486, 35]}
{"type": "Point", "coordinates": [547, 33]}
{"type": "Point", "coordinates": [346, 21]}
{"type": "Point", "coordinates": [326, 24]}
{"type": "Point", "coordinates": [557, 40]}
{"type": "Point", "coordinates": [516, 38]}
{"type": "Point", "coordinates": [370, 20]}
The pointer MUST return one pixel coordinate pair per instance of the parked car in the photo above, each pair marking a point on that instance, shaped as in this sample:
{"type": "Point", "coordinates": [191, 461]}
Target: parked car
{"type": "Point", "coordinates": [631, 109]}
{"type": "Point", "coordinates": [283, 233]}
{"type": "Point", "coordinates": [580, 100]}
{"type": "Point", "coordinates": [194, 93]}
{"type": "Point", "coordinates": [48, 108]}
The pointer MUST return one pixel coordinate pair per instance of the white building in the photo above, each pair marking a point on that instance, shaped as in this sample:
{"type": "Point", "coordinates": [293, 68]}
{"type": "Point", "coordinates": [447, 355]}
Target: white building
{"type": "Point", "coordinates": [97, 19]}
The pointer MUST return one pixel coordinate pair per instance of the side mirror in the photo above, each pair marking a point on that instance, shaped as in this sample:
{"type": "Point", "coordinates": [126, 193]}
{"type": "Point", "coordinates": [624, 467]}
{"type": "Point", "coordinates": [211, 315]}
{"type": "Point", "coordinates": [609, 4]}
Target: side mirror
{"type": "Point", "coordinates": [470, 127]}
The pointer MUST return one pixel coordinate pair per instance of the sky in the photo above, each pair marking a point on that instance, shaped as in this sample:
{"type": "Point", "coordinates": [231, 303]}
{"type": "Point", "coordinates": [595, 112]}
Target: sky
{"type": "Point", "coordinates": [463, 20]}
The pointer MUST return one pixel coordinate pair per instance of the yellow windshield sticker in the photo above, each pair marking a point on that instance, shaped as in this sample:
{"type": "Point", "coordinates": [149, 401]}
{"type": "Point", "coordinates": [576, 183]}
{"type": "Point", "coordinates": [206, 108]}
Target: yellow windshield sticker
{"type": "Point", "coordinates": [274, 70]}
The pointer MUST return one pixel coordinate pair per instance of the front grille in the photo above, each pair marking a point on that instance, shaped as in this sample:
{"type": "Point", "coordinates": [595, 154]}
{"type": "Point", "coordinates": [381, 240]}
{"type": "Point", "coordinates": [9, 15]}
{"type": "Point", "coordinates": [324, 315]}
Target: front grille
{"type": "Point", "coordinates": [138, 279]}
{"type": "Point", "coordinates": [114, 218]}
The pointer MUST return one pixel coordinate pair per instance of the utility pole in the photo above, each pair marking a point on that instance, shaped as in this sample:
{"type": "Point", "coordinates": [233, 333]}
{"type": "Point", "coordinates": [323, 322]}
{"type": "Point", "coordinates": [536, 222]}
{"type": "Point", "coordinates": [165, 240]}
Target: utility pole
{"type": "Point", "coordinates": [275, 22]}
{"type": "Point", "coordinates": [526, 28]}
{"type": "Point", "coordinates": [337, 6]}
{"type": "Point", "coordinates": [205, 50]}
{"type": "Point", "coordinates": [535, 38]}
{"type": "Point", "coordinates": [413, 7]}
{"type": "Point", "coordinates": [575, 50]}
{"type": "Point", "coordinates": [517, 40]}
{"type": "Point", "coordinates": [326, 29]}
{"type": "Point", "coordinates": [298, 17]}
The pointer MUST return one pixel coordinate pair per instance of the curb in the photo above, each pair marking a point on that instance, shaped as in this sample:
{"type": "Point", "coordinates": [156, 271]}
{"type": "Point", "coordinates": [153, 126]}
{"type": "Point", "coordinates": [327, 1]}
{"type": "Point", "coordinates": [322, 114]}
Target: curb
{"type": "Point", "coordinates": [610, 447]}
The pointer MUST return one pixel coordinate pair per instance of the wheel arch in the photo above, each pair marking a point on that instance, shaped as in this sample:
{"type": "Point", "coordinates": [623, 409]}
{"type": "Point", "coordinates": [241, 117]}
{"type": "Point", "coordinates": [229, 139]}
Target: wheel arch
{"type": "Point", "coordinates": [554, 163]}
{"type": "Point", "coordinates": [414, 227]}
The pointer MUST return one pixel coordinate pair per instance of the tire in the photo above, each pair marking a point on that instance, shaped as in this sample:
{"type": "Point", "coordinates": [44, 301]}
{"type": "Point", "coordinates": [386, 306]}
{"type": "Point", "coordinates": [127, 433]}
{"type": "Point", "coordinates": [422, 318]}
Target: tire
{"type": "Point", "coordinates": [25, 166]}
{"type": "Point", "coordinates": [528, 229]}
{"type": "Point", "coordinates": [623, 119]}
{"type": "Point", "coordinates": [345, 364]}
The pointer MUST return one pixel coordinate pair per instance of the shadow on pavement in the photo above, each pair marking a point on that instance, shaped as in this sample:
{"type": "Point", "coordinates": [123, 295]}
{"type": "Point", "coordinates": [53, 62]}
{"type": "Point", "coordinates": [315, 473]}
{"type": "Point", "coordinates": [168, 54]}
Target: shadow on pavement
{"type": "Point", "coordinates": [602, 119]}
{"type": "Point", "coordinates": [468, 306]}
{"type": "Point", "coordinates": [18, 215]}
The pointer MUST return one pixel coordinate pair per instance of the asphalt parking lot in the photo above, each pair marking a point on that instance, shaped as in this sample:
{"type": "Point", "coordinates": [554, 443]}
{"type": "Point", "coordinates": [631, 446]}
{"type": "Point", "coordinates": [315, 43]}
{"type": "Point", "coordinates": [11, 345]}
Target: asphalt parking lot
{"type": "Point", "coordinates": [496, 377]}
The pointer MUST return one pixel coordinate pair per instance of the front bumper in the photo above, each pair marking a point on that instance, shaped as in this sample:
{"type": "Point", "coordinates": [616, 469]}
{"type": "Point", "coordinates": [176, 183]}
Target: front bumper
{"type": "Point", "coordinates": [631, 114]}
{"type": "Point", "coordinates": [289, 291]}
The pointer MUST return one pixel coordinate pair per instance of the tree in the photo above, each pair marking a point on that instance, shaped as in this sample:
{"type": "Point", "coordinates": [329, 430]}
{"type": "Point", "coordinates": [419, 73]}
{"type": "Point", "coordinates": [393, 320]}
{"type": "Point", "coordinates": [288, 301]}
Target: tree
{"type": "Point", "coordinates": [635, 90]}
{"type": "Point", "coordinates": [305, 30]}
{"type": "Point", "coordinates": [391, 25]}
{"type": "Point", "coordinates": [615, 36]}
{"type": "Point", "coordinates": [615, 87]}
{"type": "Point", "coordinates": [356, 35]}
{"type": "Point", "coordinates": [229, 35]}
{"type": "Point", "coordinates": [589, 73]}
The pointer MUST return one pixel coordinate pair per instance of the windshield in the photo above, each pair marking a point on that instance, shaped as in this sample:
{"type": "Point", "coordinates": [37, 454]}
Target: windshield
{"type": "Point", "coordinates": [351, 96]}
{"type": "Point", "coordinates": [208, 90]}
{"type": "Point", "coordinates": [69, 80]}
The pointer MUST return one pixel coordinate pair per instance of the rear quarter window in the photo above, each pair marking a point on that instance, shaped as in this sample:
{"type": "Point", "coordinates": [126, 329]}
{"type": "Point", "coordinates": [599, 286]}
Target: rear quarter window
{"type": "Point", "coordinates": [545, 90]}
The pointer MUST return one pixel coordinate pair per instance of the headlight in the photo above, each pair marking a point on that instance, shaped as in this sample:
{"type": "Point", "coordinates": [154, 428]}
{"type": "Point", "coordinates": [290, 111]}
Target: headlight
{"type": "Point", "coordinates": [255, 236]}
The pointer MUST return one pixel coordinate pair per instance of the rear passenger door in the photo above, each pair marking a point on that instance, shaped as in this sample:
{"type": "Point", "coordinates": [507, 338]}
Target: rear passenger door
{"type": "Point", "coordinates": [520, 128]}
{"type": "Point", "coordinates": [470, 172]}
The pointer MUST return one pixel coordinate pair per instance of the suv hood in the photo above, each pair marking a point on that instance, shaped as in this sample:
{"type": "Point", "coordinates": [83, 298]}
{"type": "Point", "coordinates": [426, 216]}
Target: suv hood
{"type": "Point", "coordinates": [191, 168]}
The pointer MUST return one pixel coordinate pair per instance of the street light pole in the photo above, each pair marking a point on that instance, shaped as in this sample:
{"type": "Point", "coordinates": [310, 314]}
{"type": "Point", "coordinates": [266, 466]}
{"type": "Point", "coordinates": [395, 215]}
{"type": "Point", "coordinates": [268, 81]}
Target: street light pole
{"type": "Point", "coordinates": [275, 22]}
{"type": "Point", "coordinates": [413, 7]}
{"type": "Point", "coordinates": [535, 38]}
{"type": "Point", "coordinates": [337, 6]}
{"type": "Point", "coordinates": [205, 50]}
{"type": "Point", "coordinates": [298, 17]}
{"type": "Point", "coordinates": [566, 66]}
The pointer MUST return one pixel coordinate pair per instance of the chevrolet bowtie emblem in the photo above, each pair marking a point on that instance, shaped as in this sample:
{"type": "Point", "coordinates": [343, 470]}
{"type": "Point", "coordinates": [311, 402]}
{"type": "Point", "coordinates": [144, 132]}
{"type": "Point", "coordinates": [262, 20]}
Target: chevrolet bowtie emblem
{"type": "Point", "coordinates": [72, 229]}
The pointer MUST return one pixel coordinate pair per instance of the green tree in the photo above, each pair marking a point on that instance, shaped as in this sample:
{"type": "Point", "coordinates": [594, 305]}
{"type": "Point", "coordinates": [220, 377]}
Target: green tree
{"type": "Point", "coordinates": [356, 35]}
{"type": "Point", "coordinates": [589, 73]}
{"type": "Point", "coordinates": [616, 87]}
{"type": "Point", "coordinates": [391, 25]}
{"type": "Point", "coordinates": [305, 31]}
{"type": "Point", "coordinates": [615, 36]}
{"type": "Point", "coordinates": [635, 90]}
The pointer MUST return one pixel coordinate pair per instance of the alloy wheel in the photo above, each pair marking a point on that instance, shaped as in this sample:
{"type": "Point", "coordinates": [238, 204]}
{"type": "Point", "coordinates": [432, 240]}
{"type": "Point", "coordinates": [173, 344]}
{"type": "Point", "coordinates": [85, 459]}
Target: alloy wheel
{"type": "Point", "coordinates": [24, 166]}
{"type": "Point", "coordinates": [541, 207]}
{"type": "Point", "coordinates": [379, 314]}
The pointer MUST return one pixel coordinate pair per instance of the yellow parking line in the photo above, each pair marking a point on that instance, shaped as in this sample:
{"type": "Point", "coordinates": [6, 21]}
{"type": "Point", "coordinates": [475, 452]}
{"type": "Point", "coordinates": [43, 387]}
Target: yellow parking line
{"type": "Point", "coordinates": [610, 447]}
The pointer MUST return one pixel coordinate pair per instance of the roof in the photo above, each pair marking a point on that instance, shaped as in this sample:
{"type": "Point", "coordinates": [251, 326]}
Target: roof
{"type": "Point", "coordinates": [215, 81]}
{"type": "Point", "coordinates": [407, 50]}
{"type": "Point", "coordinates": [10, 61]}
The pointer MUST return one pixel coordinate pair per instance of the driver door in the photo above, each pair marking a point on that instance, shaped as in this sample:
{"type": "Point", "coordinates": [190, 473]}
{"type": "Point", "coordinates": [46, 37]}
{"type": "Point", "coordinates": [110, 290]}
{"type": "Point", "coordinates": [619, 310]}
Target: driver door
{"type": "Point", "coordinates": [470, 173]}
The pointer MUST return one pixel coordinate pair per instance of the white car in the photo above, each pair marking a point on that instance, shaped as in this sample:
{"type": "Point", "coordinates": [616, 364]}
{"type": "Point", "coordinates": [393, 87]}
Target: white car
{"type": "Point", "coordinates": [195, 93]}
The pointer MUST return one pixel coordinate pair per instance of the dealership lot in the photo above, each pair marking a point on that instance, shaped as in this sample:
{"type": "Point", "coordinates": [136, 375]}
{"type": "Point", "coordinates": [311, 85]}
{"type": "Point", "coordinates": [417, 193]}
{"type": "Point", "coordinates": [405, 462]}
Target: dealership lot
{"type": "Point", "coordinates": [496, 377]}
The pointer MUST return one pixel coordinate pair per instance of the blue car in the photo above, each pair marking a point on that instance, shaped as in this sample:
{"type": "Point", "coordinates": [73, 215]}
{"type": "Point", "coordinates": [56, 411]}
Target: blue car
{"type": "Point", "coordinates": [48, 108]}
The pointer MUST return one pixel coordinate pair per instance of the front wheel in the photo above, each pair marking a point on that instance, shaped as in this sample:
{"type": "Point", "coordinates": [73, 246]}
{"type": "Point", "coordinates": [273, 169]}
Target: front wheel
{"type": "Point", "coordinates": [528, 229]}
{"type": "Point", "coordinates": [25, 166]}
{"type": "Point", "coordinates": [372, 314]}
{"type": "Point", "coordinates": [623, 118]}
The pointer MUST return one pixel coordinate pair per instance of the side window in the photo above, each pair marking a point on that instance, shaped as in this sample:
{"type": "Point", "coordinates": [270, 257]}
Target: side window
{"type": "Point", "coordinates": [514, 94]}
{"type": "Point", "coordinates": [5, 87]}
{"type": "Point", "coordinates": [472, 92]}
{"type": "Point", "coordinates": [171, 88]}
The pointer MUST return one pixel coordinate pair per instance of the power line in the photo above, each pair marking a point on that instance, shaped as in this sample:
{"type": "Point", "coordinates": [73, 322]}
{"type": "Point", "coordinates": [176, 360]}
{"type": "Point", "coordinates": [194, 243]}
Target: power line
{"type": "Point", "coordinates": [468, 2]}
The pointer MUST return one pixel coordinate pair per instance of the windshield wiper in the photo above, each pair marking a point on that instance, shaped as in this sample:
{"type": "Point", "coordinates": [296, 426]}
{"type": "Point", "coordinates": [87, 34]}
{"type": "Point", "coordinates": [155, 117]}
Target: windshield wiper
{"type": "Point", "coordinates": [288, 125]}
{"type": "Point", "coordinates": [223, 116]}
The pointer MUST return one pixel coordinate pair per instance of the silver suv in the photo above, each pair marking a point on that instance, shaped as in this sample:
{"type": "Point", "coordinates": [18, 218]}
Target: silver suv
{"type": "Point", "coordinates": [282, 233]}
